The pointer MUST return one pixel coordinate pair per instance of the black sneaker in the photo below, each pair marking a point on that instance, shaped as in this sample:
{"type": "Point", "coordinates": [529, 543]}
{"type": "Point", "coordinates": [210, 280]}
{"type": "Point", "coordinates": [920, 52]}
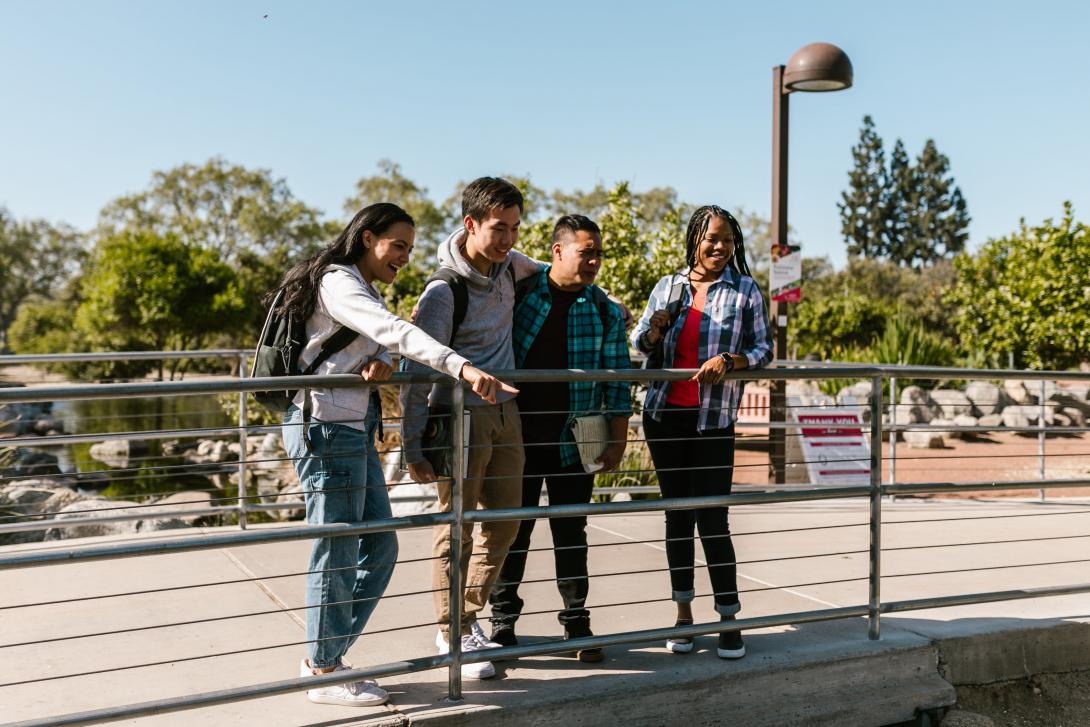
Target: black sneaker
{"type": "Point", "coordinates": [504, 634]}
{"type": "Point", "coordinates": [592, 655]}
{"type": "Point", "coordinates": [730, 643]}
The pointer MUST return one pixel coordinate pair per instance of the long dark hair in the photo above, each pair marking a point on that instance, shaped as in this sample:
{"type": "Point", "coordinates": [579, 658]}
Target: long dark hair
{"type": "Point", "coordinates": [698, 226]}
{"type": "Point", "coordinates": [300, 283]}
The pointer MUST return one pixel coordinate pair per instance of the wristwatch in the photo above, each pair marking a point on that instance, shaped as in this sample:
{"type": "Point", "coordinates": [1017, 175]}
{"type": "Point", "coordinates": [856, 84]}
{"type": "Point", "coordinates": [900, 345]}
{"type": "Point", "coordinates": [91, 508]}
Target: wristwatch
{"type": "Point", "coordinates": [729, 359]}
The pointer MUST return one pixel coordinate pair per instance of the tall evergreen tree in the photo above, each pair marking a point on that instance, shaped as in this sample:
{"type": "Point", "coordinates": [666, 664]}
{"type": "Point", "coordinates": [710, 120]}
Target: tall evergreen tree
{"type": "Point", "coordinates": [899, 205]}
{"type": "Point", "coordinates": [940, 216]}
{"type": "Point", "coordinates": [863, 205]}
{"type": "Point", "coordinates": [912, 214]}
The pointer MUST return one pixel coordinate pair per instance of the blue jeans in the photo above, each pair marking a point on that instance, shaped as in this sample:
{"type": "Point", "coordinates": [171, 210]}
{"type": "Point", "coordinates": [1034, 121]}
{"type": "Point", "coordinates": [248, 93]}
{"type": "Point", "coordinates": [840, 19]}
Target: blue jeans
{"type": "Point", "coordinates": [343, 483]}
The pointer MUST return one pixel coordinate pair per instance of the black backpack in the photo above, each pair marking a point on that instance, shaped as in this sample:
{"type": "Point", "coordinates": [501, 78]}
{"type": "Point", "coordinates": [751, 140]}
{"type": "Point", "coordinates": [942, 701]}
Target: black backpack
{"type": "Point", "coordinates": [655, 357]}
{"type": "Point", "coordinates": [282, 339]}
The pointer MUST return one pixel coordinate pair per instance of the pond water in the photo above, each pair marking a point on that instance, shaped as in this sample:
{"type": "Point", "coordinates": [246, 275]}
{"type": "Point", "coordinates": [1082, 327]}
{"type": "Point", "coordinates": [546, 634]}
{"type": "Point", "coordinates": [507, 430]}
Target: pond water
{"type": "Point", "coordinates": [150, 471]}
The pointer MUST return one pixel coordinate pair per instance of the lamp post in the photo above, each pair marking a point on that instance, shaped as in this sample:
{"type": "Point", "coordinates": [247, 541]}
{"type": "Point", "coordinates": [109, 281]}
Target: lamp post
{"type": "Point", "coordinates": [814, 67]}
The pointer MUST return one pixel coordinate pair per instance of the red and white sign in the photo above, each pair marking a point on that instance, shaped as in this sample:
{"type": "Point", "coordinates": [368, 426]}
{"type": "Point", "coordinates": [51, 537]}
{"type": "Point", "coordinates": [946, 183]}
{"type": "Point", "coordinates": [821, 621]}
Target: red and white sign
{"type": "Point", "coordinates": [834, 455]}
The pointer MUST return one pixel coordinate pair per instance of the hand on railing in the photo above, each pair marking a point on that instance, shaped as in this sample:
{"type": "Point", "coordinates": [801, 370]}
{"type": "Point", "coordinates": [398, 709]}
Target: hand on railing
{"type": "Point", "coordinates": [377, 370]}
{"type": "Point", "coordinates": [422, 471]}
{"type": "Point", "coordinates": [485, 385]}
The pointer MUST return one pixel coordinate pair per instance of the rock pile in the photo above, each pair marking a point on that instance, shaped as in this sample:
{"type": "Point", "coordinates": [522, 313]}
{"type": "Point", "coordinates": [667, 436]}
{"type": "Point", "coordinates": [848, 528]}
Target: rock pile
{"type": "Point", "coordinates": [979, 404]}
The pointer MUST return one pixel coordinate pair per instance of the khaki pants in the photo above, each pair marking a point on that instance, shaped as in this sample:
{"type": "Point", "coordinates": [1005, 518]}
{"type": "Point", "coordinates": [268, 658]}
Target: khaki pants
{"type": "Point", "coordinates": [494, 480]}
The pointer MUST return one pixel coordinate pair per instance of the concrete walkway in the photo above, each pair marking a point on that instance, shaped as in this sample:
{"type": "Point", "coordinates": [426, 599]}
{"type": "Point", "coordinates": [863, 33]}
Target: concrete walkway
{"type": "Point", "coordinates": [791, 560]}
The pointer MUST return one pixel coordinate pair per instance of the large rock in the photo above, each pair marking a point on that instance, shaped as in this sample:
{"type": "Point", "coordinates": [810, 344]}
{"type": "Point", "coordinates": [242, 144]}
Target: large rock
{"type": "Point", "coordinates": [167, 507]}
{"type": "Point", "coordinates": [964, 420]}
{"type": "Point", "coordinates": [1067, 400]}
{"type": "Point", "coordinates": [1024, 415]}
{"type": "Point", "coordinates": [25, 462]}
{"type": "Point", "coordinates": [923, 409]}
{"type": "Point", "coordinates": [26, 499]}
{"type": "Point", "coordinates": [991, 420]}
{"type": "Point", "coordinates": [858, 394]}
{"type": "Point", "coordinates": [117, 452]}
{"type": "Point", "coordinates": [923, 440]}
{"type": "Point", "coordinates": [290, 495]}
{"type": "Point", "coordinates": [952, 402]}
{"type": "Point", "coordinates": [1018, 392]}
{"type": "Point", "coordinates": [987, 398]}
{"type": "Point", "coordinates": [1069, 418]}
{"type": "Point", "coordinates": [943, 426]}
{"type": "Point", "coordinates": [92, 509]}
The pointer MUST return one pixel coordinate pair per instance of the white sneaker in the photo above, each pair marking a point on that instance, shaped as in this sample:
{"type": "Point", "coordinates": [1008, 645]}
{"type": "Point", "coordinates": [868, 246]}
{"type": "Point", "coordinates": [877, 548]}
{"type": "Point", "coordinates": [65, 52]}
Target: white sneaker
{"type": "Point", "coordinates": [478, 633]}
{"type": "Point", "coordinates": [362, 693]}
{"type": "Point", "coordinates": [477, 670]}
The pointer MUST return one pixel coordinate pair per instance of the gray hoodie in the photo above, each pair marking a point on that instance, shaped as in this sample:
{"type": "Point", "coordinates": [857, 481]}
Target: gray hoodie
{"type": "Point", "coordinates": [484, 336]}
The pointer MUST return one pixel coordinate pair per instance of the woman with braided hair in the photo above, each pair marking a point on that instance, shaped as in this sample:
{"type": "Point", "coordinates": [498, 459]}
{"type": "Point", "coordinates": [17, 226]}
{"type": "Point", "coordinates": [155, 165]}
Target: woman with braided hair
{"type": "Point", "coordinates": [709, 317]}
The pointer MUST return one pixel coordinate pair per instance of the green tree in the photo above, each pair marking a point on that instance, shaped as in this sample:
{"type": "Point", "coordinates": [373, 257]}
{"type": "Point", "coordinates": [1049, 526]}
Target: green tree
{"type": "Point", "coordinates": [939, 217]}
{"type": "Point", "coordinates": [863, 205]}
{"type": "Point", "coordinates": [1028, 293]}
{"type": "Point", "coordinates": [910, 213]}
{"type": "Point", "coordinates": [223, 207]}
{"type": "Point", "coordinates": [391, 185]}
{"type": "Point", "coordinates": [144, 291]}
{"type": "Point", "coordinates": [246, 217]}
{"type": "Point", "coordinates": [849, 308]}
{"type": "Point", "coordinates": [36, 260]}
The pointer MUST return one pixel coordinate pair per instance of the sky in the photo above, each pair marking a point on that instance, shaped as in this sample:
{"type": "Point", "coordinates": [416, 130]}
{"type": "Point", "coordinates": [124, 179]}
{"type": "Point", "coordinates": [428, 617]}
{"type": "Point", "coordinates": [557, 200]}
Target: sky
{"type": "Point", "coordinates": [98, 95]}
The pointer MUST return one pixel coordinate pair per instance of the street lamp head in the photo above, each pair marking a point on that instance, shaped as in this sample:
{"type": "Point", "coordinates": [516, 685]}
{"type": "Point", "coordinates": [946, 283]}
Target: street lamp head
{"type": "Point", "coordinates": [818, 67]}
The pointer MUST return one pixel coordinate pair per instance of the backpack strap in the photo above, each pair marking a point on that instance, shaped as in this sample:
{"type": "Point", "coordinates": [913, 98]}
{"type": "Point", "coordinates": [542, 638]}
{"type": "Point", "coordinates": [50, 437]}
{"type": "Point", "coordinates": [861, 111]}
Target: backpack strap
{"type": "Point", "coordinates": [458, 288]}
{"type": "Point", "coordinates": [524, 286]}
{"type": "Point", "coordinates": [673, 299]}
{"type": "Point", "coordinates": [340, 340]}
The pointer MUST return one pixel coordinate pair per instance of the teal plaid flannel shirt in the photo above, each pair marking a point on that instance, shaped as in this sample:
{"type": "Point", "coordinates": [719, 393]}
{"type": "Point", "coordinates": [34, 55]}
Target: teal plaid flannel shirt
{"type": "Point", "coordinates": [589, 347]}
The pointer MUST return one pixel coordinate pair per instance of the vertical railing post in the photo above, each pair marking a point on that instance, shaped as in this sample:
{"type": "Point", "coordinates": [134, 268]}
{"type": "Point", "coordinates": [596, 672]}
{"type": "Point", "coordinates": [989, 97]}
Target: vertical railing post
{"type": "Point", "coordinates": [457, 437]}
{"type": "Point", "coordinates": [242, 439]}
{"type": "Point", "coordinates": [893, 430]}
{"type": "Point", "coordinates": [874, 623]}
{"type": "Point", "coordinates": [1041, 439]}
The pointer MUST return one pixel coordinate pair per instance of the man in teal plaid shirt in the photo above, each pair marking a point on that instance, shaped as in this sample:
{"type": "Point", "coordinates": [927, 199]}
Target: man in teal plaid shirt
{"type": "Point", "coordinates": [563, 321]}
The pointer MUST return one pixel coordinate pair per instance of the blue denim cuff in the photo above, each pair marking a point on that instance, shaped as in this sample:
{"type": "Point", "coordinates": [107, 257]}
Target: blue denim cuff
{"type": "Point", "coordinates": [683, 596]}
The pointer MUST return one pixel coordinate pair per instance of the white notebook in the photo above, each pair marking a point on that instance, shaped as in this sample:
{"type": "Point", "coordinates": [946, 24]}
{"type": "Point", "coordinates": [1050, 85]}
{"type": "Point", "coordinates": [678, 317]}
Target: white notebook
{"type": "Point", "coordinates": [592, 437]}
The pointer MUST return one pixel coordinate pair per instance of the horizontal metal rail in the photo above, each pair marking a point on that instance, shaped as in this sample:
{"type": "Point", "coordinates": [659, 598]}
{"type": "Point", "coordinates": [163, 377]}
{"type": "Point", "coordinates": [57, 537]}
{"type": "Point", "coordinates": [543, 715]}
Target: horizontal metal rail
{"type": "Point", "coordinates": [51, 358]}
{"type": "Point", "coordinates": [287, 686]}
{"type": "Point", "coordinates": [270, 535]}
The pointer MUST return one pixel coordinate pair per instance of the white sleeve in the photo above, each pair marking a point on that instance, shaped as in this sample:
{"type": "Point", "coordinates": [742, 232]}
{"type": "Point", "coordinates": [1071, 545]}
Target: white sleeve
{"type": "Point", "coordinates": [349, 303]}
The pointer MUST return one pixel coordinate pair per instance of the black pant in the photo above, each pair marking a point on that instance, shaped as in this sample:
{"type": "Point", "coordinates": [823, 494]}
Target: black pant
{"type": "Point", "coordinates": [566, 486]}
{"type": "Point", "coordinates": [695, 464]}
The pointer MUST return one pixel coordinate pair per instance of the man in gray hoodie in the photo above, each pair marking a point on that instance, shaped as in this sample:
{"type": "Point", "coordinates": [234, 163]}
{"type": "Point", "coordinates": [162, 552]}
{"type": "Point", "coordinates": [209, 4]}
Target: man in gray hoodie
{"type": "Point", "coordinates": [481, 255]}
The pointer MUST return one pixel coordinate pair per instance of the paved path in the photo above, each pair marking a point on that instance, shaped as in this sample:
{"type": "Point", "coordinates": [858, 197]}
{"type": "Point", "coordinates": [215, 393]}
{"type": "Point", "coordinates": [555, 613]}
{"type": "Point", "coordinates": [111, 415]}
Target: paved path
{"type": "Point", "coordinates": [785, 566]}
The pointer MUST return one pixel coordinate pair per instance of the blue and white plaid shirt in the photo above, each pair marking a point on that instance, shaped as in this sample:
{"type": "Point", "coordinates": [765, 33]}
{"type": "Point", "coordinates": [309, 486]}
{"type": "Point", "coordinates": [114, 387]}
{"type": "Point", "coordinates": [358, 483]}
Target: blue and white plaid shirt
{"type": "Point", "coordinates": [734, 321]}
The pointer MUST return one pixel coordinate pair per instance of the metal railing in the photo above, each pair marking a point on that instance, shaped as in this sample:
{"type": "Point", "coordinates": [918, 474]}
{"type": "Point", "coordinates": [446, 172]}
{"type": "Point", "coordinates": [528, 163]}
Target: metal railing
{"type": "Point", "coordinates": [873, 493]}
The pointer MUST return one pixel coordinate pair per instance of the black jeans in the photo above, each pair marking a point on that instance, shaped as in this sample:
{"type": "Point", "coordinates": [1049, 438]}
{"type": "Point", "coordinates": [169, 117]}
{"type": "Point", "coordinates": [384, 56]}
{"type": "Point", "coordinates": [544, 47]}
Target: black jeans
{"type": "Point", "coordinates": [566, 486]}
{"type": "Point", "coordinates": [695, 464]}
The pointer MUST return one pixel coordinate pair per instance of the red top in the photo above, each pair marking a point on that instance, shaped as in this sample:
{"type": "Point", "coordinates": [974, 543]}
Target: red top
{"type": "Point", "coordinates": [686, 354]}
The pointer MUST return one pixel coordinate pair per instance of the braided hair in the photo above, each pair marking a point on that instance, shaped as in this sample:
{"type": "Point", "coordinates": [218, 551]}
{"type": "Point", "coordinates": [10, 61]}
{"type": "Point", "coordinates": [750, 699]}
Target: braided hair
{"type": "Point", "coordinates": [698, 226]}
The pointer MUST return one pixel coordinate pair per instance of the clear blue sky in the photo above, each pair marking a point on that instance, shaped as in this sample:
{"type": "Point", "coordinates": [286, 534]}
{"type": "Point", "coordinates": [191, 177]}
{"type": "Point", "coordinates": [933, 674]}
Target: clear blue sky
{"type": "Point", "coordinates": [97, 95]}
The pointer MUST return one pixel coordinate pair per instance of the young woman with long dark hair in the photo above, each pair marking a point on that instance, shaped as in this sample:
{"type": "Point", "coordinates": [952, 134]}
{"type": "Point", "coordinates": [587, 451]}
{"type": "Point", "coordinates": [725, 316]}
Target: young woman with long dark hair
{"type": "Point", "coordinates": [720, 326]}
{"type": "Point", "coordinates": [339, 467]}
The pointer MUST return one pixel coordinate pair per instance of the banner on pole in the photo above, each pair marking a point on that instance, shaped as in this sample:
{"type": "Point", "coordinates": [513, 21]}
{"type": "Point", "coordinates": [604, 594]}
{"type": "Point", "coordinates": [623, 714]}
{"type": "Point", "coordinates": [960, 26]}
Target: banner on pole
{"type": "Point", "coordinates": [785, 277]}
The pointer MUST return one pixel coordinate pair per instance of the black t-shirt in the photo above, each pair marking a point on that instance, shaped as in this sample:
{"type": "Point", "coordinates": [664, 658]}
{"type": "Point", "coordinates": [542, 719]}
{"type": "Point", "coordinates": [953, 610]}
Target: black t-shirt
{"type": "Point", "coordinates": [544, 404]}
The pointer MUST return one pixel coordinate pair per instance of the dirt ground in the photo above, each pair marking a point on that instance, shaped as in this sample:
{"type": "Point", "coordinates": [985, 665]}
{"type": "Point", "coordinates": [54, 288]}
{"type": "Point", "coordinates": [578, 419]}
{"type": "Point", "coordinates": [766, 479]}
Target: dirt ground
{"type": "Point", "coordinates": [998, 456]}
{"type": "Point", "coordinates": [1055, 700]}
